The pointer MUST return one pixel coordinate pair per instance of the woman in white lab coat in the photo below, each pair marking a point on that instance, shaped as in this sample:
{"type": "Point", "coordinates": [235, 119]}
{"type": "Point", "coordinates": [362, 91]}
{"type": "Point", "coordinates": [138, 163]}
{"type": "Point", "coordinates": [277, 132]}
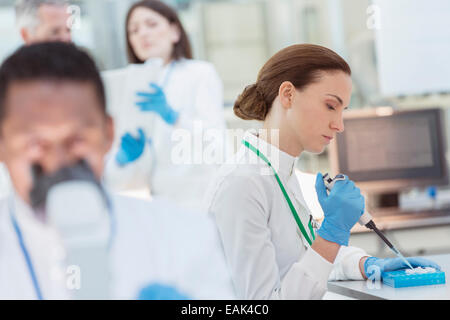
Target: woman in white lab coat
{"type": "Point", "coordinates": [270, 239]}
{"type": "Point", "coordinates": [186, 101]}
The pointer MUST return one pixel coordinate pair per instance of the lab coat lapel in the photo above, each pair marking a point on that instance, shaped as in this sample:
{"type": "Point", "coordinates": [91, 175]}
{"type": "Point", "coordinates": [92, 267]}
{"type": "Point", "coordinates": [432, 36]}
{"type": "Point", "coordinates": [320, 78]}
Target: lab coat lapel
{"type": "Point", "coordinates": [299, 204]}
{"type": "Point", "coordinates": [294, 187]}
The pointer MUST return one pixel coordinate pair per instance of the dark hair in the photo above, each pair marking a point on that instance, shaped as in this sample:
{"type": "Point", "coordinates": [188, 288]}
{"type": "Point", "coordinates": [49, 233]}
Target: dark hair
{"type": "Point", "coordinates": [54, 61]}
{"type": "Point", "coordinates": [300, 64]}
{"type": "Point", "coordinates": [182, 48]}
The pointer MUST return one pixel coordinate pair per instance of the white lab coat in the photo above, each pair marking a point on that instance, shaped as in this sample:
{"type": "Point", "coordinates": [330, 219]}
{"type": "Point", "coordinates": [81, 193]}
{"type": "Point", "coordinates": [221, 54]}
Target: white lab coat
{"type": "Point", "coordinates": [194, 89]}
{"type": "Point", "coordinates": [267, 255]}
{"type": "Point", "coordinates": [5, 182]}
{"type": "Point", "coordinates": [154, 243]}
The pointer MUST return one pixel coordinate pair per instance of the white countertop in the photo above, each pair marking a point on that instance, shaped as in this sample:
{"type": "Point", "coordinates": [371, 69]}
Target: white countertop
{"type": "Point", "coordinates": [365, 290]}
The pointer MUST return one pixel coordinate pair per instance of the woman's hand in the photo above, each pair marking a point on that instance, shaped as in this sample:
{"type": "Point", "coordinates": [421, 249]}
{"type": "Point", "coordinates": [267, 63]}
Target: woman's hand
{"type": "Point", "coordinates": [158, 291]}
{"type": "Point", "coordinates": [156, 102]}
{"type": "Point", "coordinates": [342, 208]}
{"type": "Point", "coordinates": [131, 148]}
{"type": "Point", "coordinates": [376, 265]}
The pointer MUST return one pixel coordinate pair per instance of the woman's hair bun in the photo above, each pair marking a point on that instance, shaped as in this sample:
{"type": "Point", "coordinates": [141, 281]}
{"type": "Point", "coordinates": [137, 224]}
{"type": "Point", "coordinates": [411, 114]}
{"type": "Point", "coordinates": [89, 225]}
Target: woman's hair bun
{"type": "Point", "coordinates": [250, 104]}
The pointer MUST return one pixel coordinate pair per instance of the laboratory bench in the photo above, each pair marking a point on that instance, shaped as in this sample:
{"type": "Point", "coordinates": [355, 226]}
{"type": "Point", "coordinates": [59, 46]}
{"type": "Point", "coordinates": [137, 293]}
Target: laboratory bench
{"type": "Point", "coordinates": [369, 290]}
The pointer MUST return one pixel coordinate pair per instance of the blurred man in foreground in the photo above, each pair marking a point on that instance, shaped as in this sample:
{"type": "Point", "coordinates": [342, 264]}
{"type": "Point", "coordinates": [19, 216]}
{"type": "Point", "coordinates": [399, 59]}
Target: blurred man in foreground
{"type": "Point", "coordinates": [62, 235]}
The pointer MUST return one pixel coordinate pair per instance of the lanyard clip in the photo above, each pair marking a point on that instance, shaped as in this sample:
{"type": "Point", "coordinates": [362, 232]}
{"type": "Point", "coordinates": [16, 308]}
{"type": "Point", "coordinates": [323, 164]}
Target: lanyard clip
{"type": "Point", "coordinates": [314, 223]}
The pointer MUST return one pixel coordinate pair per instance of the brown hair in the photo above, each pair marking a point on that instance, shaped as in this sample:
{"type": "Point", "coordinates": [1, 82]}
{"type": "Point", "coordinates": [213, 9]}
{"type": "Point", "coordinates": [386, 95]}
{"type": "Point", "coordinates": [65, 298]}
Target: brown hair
{"type": "Point", "coordinates": [182, 49]}
{"type": "Point", "coordinates": [300, 64]}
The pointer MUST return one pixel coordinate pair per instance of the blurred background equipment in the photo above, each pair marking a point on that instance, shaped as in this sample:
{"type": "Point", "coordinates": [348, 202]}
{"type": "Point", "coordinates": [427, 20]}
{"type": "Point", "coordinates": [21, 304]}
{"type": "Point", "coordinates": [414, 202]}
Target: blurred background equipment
{"type": "Point", "coordinates": [384, 151]}
{"type": "Point", "coordinates": [410, 46]}
{"type": "Point", "coordinates": [387, 152]}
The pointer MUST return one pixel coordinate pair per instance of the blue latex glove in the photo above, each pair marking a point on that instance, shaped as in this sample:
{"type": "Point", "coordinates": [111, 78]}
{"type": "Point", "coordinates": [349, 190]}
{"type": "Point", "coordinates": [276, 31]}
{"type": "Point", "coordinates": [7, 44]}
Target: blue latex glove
{"type": "Point", "coordinates": [131, 148]}
{"type": "Point", "coordinates": [376, 265]}
{"type": "Point", "coordinates": [342, 208]}
{"type": "Point", "coordinates": [160, 292]}
{"type": "Point", "coordinates": [156, 102]}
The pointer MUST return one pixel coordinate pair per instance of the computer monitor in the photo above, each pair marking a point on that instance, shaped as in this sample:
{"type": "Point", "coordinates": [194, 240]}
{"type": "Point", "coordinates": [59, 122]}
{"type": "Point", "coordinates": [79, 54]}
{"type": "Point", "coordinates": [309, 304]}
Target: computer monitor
{"type": "Point", "coordinates": [385, 151]}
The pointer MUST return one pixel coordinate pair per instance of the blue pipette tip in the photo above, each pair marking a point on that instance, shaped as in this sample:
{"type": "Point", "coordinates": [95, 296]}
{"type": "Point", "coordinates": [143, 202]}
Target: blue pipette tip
{"type": "Point", "coordinates": [402, 257]}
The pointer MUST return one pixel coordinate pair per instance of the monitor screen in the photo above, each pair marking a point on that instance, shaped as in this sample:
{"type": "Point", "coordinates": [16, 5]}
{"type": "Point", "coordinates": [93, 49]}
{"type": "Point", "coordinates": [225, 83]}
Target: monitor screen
{"type": "Point", "coordinates": [385, 153]}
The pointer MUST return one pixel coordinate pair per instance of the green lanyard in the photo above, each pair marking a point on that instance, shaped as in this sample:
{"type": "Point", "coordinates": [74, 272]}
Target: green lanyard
{"type": "Point", "coordinates": [286, 196]}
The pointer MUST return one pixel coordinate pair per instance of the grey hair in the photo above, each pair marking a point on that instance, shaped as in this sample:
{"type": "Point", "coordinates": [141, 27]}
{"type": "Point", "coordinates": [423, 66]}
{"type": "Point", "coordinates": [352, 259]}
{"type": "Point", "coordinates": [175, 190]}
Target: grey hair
{"type": "Point", "coordinates": [27, 11]}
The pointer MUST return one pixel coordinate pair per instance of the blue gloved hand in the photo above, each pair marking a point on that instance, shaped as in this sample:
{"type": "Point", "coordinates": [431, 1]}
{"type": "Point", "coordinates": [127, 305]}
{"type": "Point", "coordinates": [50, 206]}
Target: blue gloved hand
{"type": "Point", "coordinates": [376, 265]}
{"type": "Point", "coordinates": [131, 148]}
{"type": "Point", "coordinates": [342, 208]}
{"type": "Point", "coordinates": [156, 102]}
{"type": "Point", "coordinates": [161, 292]}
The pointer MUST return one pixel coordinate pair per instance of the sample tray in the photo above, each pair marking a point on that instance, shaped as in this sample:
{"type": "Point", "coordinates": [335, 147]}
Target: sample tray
{"type": "Point", "coordinates": [400, 279]}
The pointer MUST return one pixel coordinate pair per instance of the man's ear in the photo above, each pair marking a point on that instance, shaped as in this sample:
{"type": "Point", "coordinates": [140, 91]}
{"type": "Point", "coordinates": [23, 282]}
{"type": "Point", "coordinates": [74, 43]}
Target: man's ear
{"type": "Point", "coordinates": [286, 94]}
{"type": "Point", "coordinates": [109, 132]}
{"type": "Point", "coordinates": [2, 148]}
{"type": "Point", "coordinates": [25, 35]}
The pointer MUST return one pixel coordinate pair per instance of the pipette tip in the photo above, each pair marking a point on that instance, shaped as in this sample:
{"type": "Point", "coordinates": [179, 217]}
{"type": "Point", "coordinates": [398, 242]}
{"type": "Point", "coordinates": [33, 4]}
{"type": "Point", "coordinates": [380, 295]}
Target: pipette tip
{"type": "Point", "coordinates": [403, 258]}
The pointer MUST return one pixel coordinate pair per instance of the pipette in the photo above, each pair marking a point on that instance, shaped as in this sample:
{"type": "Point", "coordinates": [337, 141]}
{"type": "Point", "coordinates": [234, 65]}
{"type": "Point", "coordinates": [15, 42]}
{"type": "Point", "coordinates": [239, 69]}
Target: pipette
{"type": "Point", "coordinates": [366, 219]}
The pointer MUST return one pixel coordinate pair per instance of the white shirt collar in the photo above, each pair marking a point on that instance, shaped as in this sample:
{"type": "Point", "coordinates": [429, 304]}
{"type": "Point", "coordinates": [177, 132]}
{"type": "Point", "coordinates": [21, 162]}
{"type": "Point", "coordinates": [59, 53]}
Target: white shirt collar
{"type": "Point", "coordinates": [282, 162]}
{"type": "Point", "coordinates": [21, 209]}
{"type": "Point", "coordinates": [29, 224]}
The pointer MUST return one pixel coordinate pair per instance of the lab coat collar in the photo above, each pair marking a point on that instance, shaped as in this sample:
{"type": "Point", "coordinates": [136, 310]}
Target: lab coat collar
{"type": "Point", "coordinates": [22, 210]}
{"type": "Point", "coordinates": [294, 186]}
{"type": "Point", "coordinates": [282, 162]}
{"type": "Point", "coordinates": [155, 61]}
{"type": "Point", "coordinates": [30, 225]}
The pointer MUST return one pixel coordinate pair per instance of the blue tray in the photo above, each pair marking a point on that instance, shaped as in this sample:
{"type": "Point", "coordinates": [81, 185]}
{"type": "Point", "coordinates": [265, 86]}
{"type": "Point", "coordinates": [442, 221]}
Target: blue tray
{"type": "Point", "coordinates": [400, 279]}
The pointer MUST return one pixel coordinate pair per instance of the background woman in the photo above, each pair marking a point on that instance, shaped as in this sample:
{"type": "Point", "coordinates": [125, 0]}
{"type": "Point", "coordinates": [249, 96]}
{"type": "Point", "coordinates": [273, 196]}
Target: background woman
{"type": "Point", "coordinates": [188, 96]}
